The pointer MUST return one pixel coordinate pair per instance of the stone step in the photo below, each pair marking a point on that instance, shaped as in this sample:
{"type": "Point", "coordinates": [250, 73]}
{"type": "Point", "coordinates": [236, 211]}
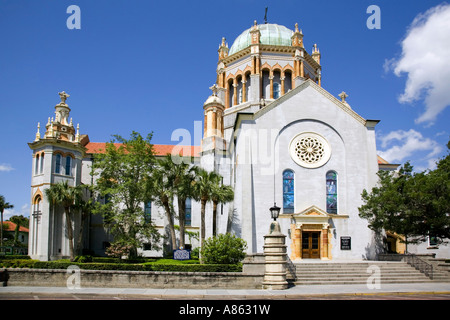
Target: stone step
{"type": "Point", "coordinates": [341, 282]}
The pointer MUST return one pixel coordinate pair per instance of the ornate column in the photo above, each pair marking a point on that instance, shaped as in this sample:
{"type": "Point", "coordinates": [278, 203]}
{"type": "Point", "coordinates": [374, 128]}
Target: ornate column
{"type": "Point", "coordinates": [244, 89]}
{"type": "Point", "coordinates": [275, 256]}
{"type": "Point", "coordinates": [235, 85]}
{"type": "Point", "coordinates": [271, 85]}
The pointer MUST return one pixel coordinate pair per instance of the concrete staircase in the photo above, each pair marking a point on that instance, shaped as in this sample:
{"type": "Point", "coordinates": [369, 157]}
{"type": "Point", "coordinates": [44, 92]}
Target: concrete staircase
{"type": "Point", "coordinates": [317, 273]}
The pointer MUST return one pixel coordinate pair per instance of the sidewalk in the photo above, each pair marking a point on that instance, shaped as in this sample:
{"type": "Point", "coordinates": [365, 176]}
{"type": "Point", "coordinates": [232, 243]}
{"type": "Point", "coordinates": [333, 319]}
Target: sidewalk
{"type": "Point", "coordinates": [225, 294]}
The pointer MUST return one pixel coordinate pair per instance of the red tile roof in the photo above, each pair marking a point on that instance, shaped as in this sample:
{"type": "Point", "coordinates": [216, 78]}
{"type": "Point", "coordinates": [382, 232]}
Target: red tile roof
{"type": "Point", "coordinates": [12, 227]}
{"type": "Point", "coordinates": [159, 149]}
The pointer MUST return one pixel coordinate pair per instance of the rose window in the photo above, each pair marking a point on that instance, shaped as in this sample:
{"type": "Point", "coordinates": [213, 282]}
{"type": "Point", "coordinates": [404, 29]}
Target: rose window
{"type": "Point", "coordinates": [310, 150]}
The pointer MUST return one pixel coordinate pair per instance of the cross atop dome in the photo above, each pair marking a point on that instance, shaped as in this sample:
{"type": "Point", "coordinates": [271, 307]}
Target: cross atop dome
{"type": "Point", "coordinates": [63, 95]}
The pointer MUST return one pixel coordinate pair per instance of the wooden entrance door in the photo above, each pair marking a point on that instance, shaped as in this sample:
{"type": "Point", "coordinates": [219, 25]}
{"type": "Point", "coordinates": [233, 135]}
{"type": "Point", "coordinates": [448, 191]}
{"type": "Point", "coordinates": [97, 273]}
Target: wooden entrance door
{"type": "Point", "coordinates": [310, 245]}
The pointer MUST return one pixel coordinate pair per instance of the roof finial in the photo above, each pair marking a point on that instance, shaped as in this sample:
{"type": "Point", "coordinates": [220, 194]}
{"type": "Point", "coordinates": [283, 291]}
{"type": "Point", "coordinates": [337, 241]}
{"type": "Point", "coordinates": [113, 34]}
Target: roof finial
{"type": "Point", "coordinates": [38, 134]}
{"type": "Point", "coordinates": [343, 96]}
{"type": "Point", "coordinates": [265, 16]}
{"type": "Point", "coordinates": [214, 88]}
{"type": "Point", "coordinates": [63, 97]}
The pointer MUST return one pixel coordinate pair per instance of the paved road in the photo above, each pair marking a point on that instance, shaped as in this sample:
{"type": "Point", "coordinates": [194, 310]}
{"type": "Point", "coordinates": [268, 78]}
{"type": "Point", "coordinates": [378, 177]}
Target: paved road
{"type": "Point", "coordinates": [409, 291]}
{"type": "Point", "coordinates": [379, 296]}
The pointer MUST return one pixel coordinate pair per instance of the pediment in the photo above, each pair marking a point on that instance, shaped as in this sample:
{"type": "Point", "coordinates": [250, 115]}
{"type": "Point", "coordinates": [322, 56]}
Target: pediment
{"type": "Point", "coordinates": [312, 211]}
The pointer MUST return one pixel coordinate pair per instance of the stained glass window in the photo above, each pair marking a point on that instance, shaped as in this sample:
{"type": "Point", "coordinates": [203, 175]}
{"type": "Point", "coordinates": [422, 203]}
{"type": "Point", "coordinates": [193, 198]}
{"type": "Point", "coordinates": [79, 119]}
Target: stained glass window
{"type": "Point", "coordinates": [68, 166]}
{"type": "Point", "coordinates": [148, 211]}
{"type": "Point", "coordinates": [331, 192]}
{"type": "Point", "coordinates": [58, 163]}
{"type": "Point", "coordinates": [188, 211]}
{"type": "Point", "coordinates": [276, 90]}
{"type": "Point", "coordinates": [288, 191]}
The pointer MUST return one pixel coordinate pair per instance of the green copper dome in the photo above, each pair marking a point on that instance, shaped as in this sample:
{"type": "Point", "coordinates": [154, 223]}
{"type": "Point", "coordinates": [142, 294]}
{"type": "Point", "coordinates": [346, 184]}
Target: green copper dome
{"type": "Point", "coordinates": [271, 34]}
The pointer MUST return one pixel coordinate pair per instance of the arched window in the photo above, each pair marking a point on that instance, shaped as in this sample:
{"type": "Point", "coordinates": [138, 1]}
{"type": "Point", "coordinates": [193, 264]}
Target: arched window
{"type": "Point", "coordinates": [58, 163]}
{"type": "Point", "coordinates": [188, 220]}
{"type": "Point", "coordinates": [276, 90]}
{"type": "Point", "coordinates": [42, 164]}
{"type": "Point", "coordinates": [36, 165]}
{"type": "Point", "coordinates": [288, 191]}
{"type": "Point", "coordinates": [68, 166]}
{"type": "Point", "coordinates": [148, 211]}
{"type": "Point", "coordinates": [331, 192]}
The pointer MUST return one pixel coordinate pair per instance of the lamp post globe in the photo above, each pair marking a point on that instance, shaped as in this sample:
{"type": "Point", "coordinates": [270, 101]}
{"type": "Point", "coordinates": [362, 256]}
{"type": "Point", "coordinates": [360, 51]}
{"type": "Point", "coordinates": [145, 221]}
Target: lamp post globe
{"type": "Point", "coordinates": [275, 212]}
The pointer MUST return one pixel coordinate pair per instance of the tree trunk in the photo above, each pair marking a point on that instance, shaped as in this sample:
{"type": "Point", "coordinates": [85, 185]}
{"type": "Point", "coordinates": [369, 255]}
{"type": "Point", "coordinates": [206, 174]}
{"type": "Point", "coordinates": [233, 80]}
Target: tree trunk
{"type": "Point", "coordinates": [214, 219]}
{"type": "Point", "coordinates": [78, 247]}
{"type": "Point", "coordinates": [171, 225]}
{"type": "Point", "coordinates": [182, 219]}
{"type": "Point", "coordinates": [202, 228]}
{"type": "Point", "coordinates": [69, 233]}
{"type": "Point", "coordinates": [1, 230]}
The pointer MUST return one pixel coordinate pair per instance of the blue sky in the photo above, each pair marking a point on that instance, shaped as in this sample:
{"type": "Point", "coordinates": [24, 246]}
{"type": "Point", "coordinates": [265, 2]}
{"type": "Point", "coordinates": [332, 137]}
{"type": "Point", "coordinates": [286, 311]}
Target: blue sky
{"type": "Point", "coordinates": [148, 65]}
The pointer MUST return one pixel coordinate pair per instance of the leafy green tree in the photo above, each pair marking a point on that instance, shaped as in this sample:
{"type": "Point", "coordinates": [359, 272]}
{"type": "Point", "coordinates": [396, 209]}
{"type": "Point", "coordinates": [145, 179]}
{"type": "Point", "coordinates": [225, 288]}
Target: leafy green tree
{"type": "Point", "coordinates": [430, 193]}
{"type": "Point", "coordinates": [61, 194]}
{"type": "Point", "coordinates": [122, 173]}
{"type": "Point", "coordinates": [415, 205]}
{"type": "Point", "coordinates": [224, 249]}
{"type": "Point", "coordinates": [3, 205]}
{"type": "Point", "coordinates": [20, 221]}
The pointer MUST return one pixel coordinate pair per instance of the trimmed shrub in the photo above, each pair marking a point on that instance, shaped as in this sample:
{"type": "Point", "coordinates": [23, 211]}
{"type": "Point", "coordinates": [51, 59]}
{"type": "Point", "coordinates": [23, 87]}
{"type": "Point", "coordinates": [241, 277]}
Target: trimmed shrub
{"type": "Point", "coordinates": [224, 249]}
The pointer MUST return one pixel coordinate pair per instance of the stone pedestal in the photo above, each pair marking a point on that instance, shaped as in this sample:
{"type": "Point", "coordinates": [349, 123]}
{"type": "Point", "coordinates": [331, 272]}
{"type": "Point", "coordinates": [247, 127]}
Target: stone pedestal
{"type": "Point", "coordinates": [275, 259]}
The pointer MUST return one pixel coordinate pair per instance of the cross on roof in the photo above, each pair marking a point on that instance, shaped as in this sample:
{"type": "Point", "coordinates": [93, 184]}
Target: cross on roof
{"type": "Point", "coordinates": [63, 96]}
{"type": "Point", "coordinates": [343, 96]}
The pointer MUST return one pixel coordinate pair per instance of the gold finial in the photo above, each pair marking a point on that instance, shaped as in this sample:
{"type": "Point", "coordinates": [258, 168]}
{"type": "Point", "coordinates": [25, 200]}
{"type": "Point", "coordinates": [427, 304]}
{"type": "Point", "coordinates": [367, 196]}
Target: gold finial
{"type": "Point", "coordinates": [296, 27]}
{"type": "Point", "coordinates": [38, 134]}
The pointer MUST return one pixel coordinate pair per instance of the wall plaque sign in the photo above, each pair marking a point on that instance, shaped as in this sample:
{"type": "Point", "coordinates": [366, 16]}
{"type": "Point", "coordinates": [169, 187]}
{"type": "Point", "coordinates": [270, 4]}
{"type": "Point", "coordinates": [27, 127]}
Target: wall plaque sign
{"type": "Point", "coordinates": [181, 254]}
{"type": "Point", "coordinates": [346, 243]}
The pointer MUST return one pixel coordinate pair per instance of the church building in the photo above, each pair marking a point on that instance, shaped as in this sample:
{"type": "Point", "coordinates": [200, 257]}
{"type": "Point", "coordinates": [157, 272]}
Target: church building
{"type": "Point", "coordinates": [273, 133]}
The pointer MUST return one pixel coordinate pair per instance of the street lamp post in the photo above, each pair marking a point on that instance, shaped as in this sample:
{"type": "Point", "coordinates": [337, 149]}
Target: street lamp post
{"type": "Point", "coordinates": [275, 255]}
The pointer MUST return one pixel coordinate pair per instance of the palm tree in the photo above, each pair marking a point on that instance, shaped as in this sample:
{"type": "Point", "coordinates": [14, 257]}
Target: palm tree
{"type": "Point", "coordinates": [205, 183]}
{"type": "Point", "coordinates": [183, 187]}
{"type": "Point", "coordinates": [160, 188]}
{"type": "Point", "coordinates": [85, 207]}
{"type": "Point", "coordinates": [66, 196]}
{"type": "Point", "coordinates": [220, 194]}
{"type": "Point", "coordinates": [3, 205]}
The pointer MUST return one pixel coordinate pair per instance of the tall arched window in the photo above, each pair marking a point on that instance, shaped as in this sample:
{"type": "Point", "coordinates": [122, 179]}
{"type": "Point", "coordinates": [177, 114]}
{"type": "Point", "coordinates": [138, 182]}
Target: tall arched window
{"type": "Point", "coordinates": [331, 192]}
{"type": "Point", "coordinates": [58, 163]}
{"type": "Point", "coordinates": [36, 166]}
{"type": "Point", "coordinates": [276, 90]}
{"type": "Point", "coordinates": [68, 167]}
{"type": "Point", "coordinates": [148, 211]}
{"type": "Point", "coordinates": [288, 191]}
{"type": "Point", "coordinates": [188, 220]}
{"type": "Point", "coordinates": [42, 164]}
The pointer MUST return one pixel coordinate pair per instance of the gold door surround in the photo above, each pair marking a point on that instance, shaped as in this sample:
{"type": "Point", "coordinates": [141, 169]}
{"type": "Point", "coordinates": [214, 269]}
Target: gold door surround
{"type": "Point", "coordinates": [309, 225]}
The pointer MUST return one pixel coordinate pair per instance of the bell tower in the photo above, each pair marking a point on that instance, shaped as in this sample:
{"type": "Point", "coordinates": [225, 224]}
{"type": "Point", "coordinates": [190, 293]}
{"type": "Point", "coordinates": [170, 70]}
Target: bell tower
{"type": "Point", "coordinates": [57, 157]}
{"type": "Point", "coordinates": [213, 143]}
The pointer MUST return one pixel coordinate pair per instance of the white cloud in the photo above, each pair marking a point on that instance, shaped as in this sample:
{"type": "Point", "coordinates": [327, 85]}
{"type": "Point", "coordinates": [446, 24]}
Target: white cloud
{"type": "Point", "coordinates": [5, 167]}
{"type": "Point", "coordinates": [24, 210]}
{"type": "Point", "coordinates": [425, 59]}
{"type": "Point", "coordinates": [400, 146]}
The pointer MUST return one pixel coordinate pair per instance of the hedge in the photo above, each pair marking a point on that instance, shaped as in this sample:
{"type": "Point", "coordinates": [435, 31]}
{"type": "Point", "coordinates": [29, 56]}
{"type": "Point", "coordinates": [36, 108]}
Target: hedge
{"type": "Point", "coordinates": [148, 266]}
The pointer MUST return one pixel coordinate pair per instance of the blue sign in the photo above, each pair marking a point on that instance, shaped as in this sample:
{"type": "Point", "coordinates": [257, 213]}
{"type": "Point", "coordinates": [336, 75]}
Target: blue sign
{"type": "Point", "coordinates": [181, 254]}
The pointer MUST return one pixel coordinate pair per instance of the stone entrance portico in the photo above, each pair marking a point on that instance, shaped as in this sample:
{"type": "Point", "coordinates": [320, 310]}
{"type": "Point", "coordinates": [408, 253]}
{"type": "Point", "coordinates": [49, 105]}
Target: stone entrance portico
{"type": "Point", "coordinates": [311, 234]}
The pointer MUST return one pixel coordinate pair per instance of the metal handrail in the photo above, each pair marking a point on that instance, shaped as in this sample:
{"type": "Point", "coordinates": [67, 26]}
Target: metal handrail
{"type": "Point", "coordinates": [420, 265]}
